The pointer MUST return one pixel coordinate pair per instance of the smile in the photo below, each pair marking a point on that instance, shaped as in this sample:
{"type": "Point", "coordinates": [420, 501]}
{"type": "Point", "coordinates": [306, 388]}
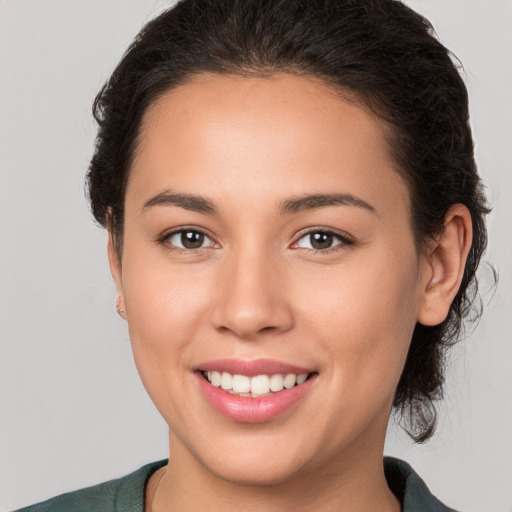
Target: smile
{"type": "Point", "coordinates": [257, 386]}
{"type": "Point", "coordinates": [253, 391]}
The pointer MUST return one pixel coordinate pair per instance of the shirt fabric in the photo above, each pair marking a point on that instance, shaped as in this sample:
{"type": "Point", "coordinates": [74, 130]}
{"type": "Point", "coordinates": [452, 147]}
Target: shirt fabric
{"type": "Point", "coordinates": [126, 494]}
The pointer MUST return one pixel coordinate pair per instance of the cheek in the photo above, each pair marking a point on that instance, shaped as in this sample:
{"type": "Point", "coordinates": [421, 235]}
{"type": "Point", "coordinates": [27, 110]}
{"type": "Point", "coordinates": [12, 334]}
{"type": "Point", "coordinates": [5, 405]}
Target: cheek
{"type": "Point", "coordinates": [159, 295]}
{"type": "Point", "coordinates": [364, 318]}
{"type": "Point", "coordinates": [165, 307]}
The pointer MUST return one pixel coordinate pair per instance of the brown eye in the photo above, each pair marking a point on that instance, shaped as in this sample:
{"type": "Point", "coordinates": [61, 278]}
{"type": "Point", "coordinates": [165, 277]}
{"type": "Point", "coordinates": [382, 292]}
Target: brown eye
{"type": "Point", "coordinates": [322, 241]}
{"type": "Point", "coordinates": [192, 239]}
{"type": "Point", "coordinates": [189, 239]}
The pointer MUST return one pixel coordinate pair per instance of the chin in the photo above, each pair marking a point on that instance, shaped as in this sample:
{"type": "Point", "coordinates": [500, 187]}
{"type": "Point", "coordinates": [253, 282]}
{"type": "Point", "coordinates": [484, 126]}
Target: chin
{"type": "Point", "coordinates": [256, 472]}
{"type": "Point", "coordinates": [251, 461]}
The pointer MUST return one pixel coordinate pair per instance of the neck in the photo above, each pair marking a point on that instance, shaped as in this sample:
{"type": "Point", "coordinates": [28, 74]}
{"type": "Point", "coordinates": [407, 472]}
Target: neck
{"type": "Point", "coordinates": [352, 483]}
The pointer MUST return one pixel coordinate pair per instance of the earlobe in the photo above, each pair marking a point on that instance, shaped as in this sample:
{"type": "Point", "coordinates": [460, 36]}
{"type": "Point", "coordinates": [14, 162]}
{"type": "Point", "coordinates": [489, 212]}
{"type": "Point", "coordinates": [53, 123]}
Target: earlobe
{"type": "Point", "coordinates": [115, 269]}
{"type": "Point", "coordinates": [444, 266]}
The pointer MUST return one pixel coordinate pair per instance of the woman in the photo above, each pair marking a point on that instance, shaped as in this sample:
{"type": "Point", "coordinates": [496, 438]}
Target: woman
{"type": "Point", "coordinates": [295, 221]}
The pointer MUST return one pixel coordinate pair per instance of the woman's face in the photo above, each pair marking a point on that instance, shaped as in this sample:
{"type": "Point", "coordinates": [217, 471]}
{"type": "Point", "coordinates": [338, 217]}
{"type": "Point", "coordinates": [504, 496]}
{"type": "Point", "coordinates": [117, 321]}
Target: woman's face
{"type": "Point", "coordinates": [268, 233]}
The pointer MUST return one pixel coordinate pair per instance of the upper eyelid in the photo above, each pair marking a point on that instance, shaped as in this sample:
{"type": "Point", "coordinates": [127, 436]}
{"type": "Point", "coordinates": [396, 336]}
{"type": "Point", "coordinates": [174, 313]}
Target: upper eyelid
{"type": "Point", "coordinates": [341, 234]}
{"type": "Point", "coordinates": [180, 229]}
{"type": "Point", "coordinates": [345, 241]}
{"type": "Point", "coordinates": [308, 231]}
{"type": "Point", "coordinates": [165, 238]}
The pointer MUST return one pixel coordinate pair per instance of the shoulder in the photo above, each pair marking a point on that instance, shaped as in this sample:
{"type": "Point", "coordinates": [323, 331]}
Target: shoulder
{"type": "Point", "coordinates": [126, 494]}
{"type": "Point", "coordinates": [410, 488]}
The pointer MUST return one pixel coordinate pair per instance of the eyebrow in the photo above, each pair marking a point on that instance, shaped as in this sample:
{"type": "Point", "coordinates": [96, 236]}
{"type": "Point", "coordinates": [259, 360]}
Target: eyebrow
{"type": "Point", "coordinates": [311, 202]}
{"type": "Point", "coordinates": [293, 205]}
{"type": "Point", "coordinates": [186, 201]}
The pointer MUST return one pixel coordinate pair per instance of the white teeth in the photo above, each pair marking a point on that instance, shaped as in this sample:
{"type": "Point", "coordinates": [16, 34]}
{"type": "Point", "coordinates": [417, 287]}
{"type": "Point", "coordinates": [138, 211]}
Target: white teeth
{"type": "Point", "coordinates": [260, 385]}
{"type": "Point", "coordinates": [214, 378]}
{"type": "Point", "coordinates": [276, 383]}
{"type": "Point", "coordinates": [302, 378]}
{"type": "Point", "coordinates": [241, 384]}
{"type": "Point", "coordinates": [226, 380]}
{"type": "Point", "coordinates": [290, 380]}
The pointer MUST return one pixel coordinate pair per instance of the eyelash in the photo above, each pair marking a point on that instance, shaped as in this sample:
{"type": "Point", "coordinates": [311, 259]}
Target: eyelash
{"type": "Point", "coordinates": [164, 240]}
{"type": "Point", "coordinates": [344, 240]}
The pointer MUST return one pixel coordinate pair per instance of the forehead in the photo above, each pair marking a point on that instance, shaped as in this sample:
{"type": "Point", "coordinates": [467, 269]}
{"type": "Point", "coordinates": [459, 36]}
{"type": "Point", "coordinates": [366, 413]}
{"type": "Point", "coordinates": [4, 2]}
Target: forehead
{"type": "Point", "coordinates": [282, 134]}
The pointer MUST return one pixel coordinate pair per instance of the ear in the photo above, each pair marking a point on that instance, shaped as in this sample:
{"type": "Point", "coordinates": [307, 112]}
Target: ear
{"type": "Point", "coordinates": [444, 265]}
{"type": "Point", "coordinates": [115, 269]}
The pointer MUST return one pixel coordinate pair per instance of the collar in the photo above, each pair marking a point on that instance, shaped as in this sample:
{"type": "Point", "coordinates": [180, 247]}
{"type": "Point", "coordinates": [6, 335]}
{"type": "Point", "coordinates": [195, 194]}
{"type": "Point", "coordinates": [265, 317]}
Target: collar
{"type": "Point", "coordinates": [410, 489]}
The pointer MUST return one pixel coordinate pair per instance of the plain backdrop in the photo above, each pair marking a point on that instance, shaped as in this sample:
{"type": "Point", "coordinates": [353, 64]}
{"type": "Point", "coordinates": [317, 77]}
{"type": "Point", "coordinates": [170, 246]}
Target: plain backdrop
{"type": "Point", "coordinates": [72, 410]}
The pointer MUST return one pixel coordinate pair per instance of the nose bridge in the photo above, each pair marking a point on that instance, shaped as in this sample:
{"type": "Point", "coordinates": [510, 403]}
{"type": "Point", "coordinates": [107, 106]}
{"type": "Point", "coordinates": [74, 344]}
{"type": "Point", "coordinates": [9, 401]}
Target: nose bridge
{"type": "Point", "coordinates": [252, 295]}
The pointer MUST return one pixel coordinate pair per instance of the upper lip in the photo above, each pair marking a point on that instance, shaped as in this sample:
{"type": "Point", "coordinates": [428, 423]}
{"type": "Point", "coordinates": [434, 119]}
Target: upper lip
{"type": "Point", "coordinates": [252, 368]}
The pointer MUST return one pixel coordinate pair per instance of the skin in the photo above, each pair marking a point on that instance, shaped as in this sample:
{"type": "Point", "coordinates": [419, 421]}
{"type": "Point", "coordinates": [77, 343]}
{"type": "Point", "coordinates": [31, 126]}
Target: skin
{"type": "Point", "coordinates": [257, 289]}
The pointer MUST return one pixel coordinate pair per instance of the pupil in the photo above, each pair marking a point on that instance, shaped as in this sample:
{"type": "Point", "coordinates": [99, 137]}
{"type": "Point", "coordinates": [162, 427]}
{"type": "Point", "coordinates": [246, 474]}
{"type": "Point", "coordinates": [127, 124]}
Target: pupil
{"type": "Point", "coordinates": [321, 240]}
{"type": "Point", "coordinates": [192, 239]}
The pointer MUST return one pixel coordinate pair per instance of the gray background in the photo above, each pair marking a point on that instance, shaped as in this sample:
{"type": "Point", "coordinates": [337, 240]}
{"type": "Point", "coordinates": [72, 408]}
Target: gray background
{"type": "Point", "coordinates": [72, 409]}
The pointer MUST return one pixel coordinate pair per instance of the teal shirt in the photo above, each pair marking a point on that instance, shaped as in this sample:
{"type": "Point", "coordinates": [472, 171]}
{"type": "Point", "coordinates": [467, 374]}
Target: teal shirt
{"type": "Point", "coordinates": [126, 494]}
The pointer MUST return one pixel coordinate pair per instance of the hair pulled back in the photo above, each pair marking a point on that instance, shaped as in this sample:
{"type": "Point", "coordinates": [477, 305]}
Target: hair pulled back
{"type": "Point", "coordinates": [380, 51]}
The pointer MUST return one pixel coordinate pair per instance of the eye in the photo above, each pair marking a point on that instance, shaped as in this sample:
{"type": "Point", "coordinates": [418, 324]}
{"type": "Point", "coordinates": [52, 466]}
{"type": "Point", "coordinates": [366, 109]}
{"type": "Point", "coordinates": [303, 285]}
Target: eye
{"type": "Point", "coordinates": [189, 239]}
{"type": "Point", "coordinates": [321, 240]}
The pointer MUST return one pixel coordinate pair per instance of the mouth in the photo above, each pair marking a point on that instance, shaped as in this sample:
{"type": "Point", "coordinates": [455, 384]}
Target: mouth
{"type": "Point", "coordinates": [254, 386]}
{"type": "Point", "coordinates": [253, 391]}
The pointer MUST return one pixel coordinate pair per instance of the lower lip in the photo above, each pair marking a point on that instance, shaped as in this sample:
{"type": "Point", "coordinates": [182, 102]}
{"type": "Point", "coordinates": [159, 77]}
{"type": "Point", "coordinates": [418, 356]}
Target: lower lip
{"type": "Point", "coordinates": [253, 410]}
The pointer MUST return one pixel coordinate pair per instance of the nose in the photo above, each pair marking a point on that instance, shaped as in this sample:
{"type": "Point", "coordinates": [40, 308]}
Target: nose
{"type": "Point", "coordinates": [252, 297]}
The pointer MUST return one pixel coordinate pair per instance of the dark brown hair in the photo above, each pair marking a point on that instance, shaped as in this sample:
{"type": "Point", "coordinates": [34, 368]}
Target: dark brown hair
{"type": "Point", "coordinates": [380, 51]}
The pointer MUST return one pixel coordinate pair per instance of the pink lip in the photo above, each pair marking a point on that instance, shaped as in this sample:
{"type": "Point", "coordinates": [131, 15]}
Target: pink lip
{"type": "Point", "coordinates": [247, 409]}
{"type": "Point", "coordinates": [252, 368]}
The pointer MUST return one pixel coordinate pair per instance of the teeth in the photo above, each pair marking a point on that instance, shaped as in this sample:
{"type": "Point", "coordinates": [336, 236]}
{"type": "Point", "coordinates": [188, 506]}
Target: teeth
{"type": "Point", "coordinates": [260, 385]}
{"type": "Point", "coordinates": [290, 380]}
{"type": "Point", "coordinates": [241, 384]}
{"type": "Point", "coordinates": [276, 383]}
{"type": "Point", "coordinates": [214, 378]}
{"type": "Point", "coordinates": [226, 380]}
{"type": "Point", "coordinates": [301, 378]}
